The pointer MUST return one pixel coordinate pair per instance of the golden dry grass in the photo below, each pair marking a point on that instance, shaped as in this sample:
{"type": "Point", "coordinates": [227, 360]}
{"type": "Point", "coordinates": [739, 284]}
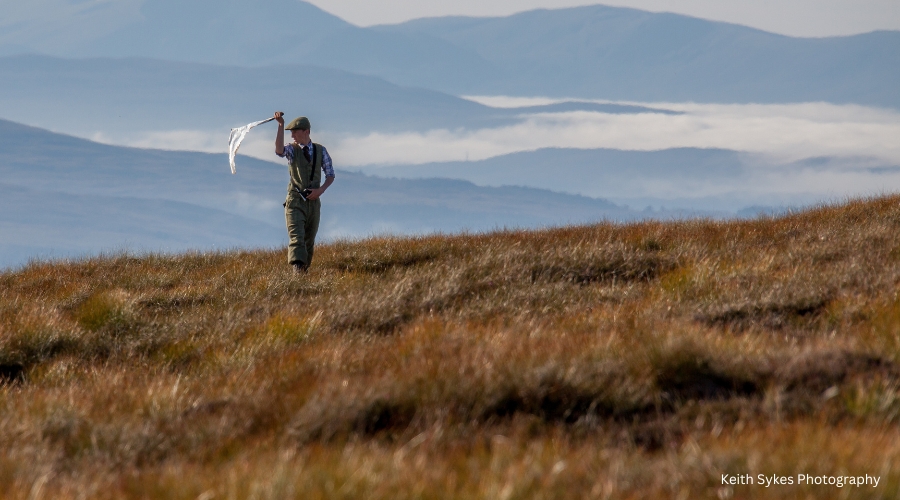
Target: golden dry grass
{"type": "Point", "coordinates": [609, 361]}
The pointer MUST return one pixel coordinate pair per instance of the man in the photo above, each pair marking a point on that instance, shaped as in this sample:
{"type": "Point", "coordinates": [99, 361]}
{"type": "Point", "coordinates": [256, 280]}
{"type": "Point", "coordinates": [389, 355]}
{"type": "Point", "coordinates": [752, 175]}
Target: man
{"type": "Point", "coordinates": [306, 163]}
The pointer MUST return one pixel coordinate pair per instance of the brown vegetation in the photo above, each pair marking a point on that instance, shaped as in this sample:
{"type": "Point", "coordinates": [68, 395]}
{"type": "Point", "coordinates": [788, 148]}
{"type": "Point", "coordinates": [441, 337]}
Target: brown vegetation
{"type": "Point", "coordinates": [610, 361]}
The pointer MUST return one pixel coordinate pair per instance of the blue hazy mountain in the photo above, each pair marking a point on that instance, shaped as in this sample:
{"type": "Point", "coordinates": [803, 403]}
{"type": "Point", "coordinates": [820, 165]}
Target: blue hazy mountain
{"type": "Point", "coordinates": [232, 32]}
{"type": "Point", "coordinates": [132, 95]}
{"type": "Point", "coordinates": [607, 171]}
{"type": "Point", "coordinates": [701, 178]}
{"type": "Point", "coordinates": [47, 224]}
{"type": "Point", "coordinates": [144, 94]}
{"type": "Point", "coordinates": [620, 53]}
{"type": "Point", "coordinates": [589, 52]}
{"type": "Point", "coordinates": [63, 196]}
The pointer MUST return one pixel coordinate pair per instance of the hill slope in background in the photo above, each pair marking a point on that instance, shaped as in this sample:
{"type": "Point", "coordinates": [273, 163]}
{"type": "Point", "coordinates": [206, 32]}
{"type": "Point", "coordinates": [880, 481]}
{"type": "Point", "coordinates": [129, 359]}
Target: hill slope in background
{"type": "Point", "coordinates": [239, 33]}
{"type": "Point", "coordinates": [590, 52]}
{"type": "Point", "coordinates": [142, 94]}
{"type": "Point", "coordinates": [66, 196]}
{"type": "Point", "coordinates": [618, 53]}
{"type": "Point", "coordinates": [122, 96]}
{"type": "Point", "coordinates": [200, 30]}
{"type": "Point", "coordinates": [448, 366]}
{"type": "Point", "coordinates": [700, 178]}
{"type": "Point", "coordinates": [40, 224]}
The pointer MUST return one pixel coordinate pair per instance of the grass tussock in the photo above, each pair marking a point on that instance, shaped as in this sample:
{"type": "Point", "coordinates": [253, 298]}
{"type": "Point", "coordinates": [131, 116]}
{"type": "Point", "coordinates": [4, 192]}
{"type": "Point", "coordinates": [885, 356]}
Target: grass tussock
{"type": "Point", "coordinates": [610, 361]}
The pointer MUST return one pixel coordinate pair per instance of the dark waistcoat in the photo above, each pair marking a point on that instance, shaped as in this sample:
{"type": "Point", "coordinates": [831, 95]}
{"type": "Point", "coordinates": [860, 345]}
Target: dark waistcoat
{"type": "Point", "coordinates": [303, 173]}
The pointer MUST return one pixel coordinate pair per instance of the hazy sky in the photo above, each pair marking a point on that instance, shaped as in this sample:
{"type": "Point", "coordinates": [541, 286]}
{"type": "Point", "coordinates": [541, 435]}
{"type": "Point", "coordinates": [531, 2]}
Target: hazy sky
{"type": "Point", "coordinates": [790, 17]}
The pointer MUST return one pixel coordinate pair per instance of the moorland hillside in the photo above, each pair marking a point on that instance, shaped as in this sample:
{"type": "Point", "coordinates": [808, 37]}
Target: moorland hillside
{"type": "Point", "coordinates": [631, 360]}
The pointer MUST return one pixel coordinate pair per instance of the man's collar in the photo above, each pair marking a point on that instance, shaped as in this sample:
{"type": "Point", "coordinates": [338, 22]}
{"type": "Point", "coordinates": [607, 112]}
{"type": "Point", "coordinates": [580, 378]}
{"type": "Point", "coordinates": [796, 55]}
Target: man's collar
{"type": "Point", "coordinates": [307, 144]}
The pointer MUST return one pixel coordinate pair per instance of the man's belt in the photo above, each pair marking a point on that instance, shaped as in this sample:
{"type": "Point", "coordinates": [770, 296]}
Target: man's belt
{"type": "Point", "coordinates": [303, 194]}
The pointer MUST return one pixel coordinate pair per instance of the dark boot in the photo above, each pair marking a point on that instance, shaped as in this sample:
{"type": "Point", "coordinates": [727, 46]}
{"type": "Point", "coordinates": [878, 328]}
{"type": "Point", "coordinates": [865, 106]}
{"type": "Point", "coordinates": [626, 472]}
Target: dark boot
{"type": "Point", "coordinates": [300, 268]}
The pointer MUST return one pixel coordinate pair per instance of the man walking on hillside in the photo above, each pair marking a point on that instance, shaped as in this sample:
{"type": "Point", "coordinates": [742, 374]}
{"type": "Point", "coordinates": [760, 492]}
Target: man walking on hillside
{"type": "Point", "coordinates": [306, 163]}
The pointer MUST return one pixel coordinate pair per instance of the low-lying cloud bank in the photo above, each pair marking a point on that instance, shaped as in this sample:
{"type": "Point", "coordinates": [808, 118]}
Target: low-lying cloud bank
{"type": "Point", "coordinates": [786, 132]}
{"type": "Point", "coordinates": [860, 142]}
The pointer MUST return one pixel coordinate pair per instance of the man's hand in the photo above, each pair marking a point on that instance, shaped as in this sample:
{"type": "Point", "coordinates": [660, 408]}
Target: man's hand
{"type": "Point", "coordinates": [315, 193]}
{"type": "Point", "coordinates": [279, 117]}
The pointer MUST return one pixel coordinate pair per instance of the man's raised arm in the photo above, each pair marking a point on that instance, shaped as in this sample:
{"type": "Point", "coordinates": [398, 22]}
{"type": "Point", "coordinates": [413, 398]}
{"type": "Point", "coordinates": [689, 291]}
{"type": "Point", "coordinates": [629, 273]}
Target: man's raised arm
{"type": "Point", "coordinates": [279, 139]}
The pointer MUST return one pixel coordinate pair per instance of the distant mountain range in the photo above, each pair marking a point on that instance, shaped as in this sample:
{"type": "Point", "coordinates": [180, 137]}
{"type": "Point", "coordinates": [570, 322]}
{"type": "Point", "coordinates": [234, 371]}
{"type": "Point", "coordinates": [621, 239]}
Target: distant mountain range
{"type": "Point", "coordinates": [63, 196]}
{"type": "Point", "coordinates": [117, 97]}
{"type": "Point", "coordinates": [143, 94]}
{"type": "Point", "coordinates": [588, 52]}
{"type": "Point", "coordinates": [618, 53]}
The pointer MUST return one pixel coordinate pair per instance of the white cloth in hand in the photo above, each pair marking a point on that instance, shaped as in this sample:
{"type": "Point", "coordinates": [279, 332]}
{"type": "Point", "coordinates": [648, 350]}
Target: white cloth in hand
{"type": "Point", "coordinates": [237, 135]}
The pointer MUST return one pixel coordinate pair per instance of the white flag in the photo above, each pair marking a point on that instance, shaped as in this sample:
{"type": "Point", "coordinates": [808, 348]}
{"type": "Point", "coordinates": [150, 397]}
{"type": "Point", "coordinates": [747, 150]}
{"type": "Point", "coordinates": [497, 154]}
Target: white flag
{"type": "Point", "coordinates": [237, 135]}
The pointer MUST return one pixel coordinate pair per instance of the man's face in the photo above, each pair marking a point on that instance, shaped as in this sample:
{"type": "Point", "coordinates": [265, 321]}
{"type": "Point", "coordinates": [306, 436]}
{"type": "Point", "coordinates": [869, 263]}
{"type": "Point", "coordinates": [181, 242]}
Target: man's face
{"type": "Point", "coordinates": [300, 136]}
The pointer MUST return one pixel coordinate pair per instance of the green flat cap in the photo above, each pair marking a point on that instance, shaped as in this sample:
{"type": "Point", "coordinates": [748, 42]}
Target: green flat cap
{"type": "Point", "coordinates": [301, 123]}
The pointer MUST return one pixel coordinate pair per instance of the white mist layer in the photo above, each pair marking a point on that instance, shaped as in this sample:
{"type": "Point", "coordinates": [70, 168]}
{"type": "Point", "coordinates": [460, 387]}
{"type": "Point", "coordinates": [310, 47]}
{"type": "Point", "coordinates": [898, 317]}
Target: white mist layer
{"type": "Point", "coordinates": [860, 137]}
{"type": "Point", "coordinates": [783, 131]}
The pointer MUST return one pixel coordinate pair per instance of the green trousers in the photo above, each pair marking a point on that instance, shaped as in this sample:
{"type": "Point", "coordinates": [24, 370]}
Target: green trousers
{"type": "Point", "coordinates": [302, 219]}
